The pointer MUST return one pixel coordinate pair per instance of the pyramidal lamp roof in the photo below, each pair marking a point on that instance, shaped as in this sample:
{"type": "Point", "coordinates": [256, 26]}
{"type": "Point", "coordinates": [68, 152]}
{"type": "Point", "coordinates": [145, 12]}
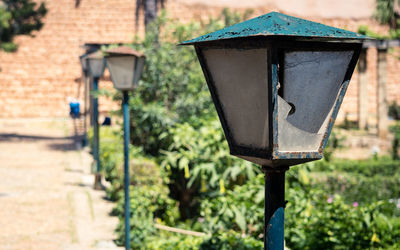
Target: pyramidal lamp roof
{"type": "Point", "coordinates": [277, 24]}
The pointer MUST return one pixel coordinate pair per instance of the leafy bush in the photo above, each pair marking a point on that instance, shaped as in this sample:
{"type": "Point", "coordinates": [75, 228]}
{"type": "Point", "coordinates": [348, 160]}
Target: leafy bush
{"type": "Point", "coordinates": [174, 242]}
{"type": "Point", "coordinates": [395, 129]}
{"type": "Point", "coordinates": [230, 241]}
{"type": "Point", "coordinates": [146, 204]}
{"type": "Point", "coordinates": [240, 209]}
{"type": "Point", "coordinates": [394, 111]}
{"type": "Point", "coordinates": [199, 165]}
{"type": "Point", "coordinates": [316, 221]}
{"type": "Point", "coordinates": [19, 17]}
{"type": "Point", "coordinates": [313, 219]}
{"type": "Point", "coordinates": [361, 181]}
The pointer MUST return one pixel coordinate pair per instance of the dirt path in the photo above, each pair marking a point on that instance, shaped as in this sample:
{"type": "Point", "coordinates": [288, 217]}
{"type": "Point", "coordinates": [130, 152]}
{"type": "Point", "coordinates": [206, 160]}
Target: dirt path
{"type": "Point", "coordinates": [46, 195]}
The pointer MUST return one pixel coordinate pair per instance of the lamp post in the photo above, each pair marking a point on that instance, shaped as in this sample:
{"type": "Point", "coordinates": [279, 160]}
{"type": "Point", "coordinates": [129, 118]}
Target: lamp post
{"type": "Point", "coordinates": [96, 65]}
{"type": "Point", "coordinates": [85, 72]}
{"type": "Point", "coordinates": [277, 83]}
{"type": "Point", "coordinates": [125, 66]}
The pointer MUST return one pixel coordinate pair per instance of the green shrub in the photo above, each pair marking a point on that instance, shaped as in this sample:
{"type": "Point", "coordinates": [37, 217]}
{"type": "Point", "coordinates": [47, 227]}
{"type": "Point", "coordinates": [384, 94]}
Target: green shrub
{"type": "Point", "coordinates": [395, 129]}
{"type": "Point", "coordinates": [313, 219]}
{"type": "Point", "coordinates": [174, 242]}
{"type": "Point", "coordinates": [230, 241]}
{"type": "Point", "coordinates": [240, 209]}
{"type": "Point", "coordinates": [316, 221]}
{"type": "Point", "coordinates": [394, 111]}
{"type": "Point", "coordinates": [146, 204]}
{"type": "Point", "coordinates": [199, 165]}
{"type": "Point", "coordinates": [362, 181]}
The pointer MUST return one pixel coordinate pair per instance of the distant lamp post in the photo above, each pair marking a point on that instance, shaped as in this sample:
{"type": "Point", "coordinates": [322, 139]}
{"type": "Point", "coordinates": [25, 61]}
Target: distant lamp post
{"type": "Point", "coordinates": [125, 66]}
{"type": "Point", "coordinates": [83, 61]}
{"type": "Point", "coordinates": [96, 66]}
{"type": "Point", "coordinates": [277, 83]}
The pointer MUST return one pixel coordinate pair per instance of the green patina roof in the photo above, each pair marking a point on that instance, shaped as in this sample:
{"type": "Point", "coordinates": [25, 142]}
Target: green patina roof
{"type": "Point", "coordinates": [277, 24]}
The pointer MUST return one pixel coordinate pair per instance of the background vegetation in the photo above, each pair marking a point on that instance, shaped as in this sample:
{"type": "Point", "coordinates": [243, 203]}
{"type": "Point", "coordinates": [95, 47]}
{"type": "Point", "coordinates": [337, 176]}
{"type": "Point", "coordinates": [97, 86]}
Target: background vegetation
{"type": "Point", "coordinates": [184, 177]}
{"type": "Point", "coordinates": [19, 17]}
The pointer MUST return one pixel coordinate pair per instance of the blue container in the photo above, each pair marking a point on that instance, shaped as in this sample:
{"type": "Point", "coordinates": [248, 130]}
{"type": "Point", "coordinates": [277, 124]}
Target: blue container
{"type": "Point", "coordinates": [74, 109]}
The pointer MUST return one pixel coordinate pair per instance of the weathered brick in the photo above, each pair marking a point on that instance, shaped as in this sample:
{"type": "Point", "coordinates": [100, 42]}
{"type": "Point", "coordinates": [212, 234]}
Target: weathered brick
{"type": "Point", "coordinates": [37, 80]}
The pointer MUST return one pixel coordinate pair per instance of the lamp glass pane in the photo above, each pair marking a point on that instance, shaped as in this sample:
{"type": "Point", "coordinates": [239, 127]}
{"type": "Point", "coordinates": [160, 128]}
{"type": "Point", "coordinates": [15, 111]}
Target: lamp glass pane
{"type": "Point", "coordinates": [241, 83]}
{"type": "Point", "coordinates": [139, 69]}
{"type": "Point", "coordinates": [83, 61]}
{"type": "Point", "coordinates": [122, 70]}
{"type": "Point", "coordinates": [311, 85]}
{"type": "Point", "coordinates": [96, 66]}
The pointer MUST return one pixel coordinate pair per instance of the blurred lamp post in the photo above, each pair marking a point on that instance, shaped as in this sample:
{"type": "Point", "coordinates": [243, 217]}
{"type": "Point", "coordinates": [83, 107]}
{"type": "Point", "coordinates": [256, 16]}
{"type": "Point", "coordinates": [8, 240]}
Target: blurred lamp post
{"type": "Point", "coordinates": [96, 65]}
{"type": "Point", "coordinates": [277, 83]}
{"type": "Point", "coordinates": [85, 71]}
{"type": "Point", "coordinates": [125, 66]}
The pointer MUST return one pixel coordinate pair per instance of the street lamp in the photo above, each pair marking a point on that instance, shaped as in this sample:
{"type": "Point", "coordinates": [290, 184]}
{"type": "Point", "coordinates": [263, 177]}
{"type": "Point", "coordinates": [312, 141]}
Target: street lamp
{"type": "Point", "coordinates": [96, 64]}
{"type": "Point", "coordinates": [82, 60]}
{"type": "Point", "coordinates": [125, 66]}
{"type": "Point", "coordinates": [277, 83]}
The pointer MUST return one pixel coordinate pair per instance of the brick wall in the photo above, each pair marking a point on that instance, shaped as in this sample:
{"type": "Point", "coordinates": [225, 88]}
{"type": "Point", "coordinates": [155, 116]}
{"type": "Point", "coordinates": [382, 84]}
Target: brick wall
{"type": "Point", "coordinates": [37, 80]}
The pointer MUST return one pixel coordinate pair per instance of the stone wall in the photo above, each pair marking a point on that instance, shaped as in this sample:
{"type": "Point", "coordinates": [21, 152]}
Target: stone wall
{"type": "Point", "coordinates": [38, 79]}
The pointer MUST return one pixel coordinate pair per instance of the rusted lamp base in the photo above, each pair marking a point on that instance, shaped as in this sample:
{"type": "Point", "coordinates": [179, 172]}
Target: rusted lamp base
{"type": "Point", "coordinates": [97, 182]}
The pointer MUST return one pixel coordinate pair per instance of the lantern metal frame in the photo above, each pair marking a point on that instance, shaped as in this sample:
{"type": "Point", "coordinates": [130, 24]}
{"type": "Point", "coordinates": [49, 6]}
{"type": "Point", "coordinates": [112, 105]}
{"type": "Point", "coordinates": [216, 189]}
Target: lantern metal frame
{"type": "Point", "coordinates": [84, 66]}
{"type": "Point", "coordinates": [95, 56]}
{"type": "Point", "coordinates": [276, 47]}
{"type": "Point", "coordinates": [125, 52]}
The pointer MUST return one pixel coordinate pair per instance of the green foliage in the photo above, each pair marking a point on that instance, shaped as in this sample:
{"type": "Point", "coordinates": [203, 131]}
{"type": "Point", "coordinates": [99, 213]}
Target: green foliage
{"type": "Point", "coordinates": [395, 129]}
{"type": "Point", "coordinates": [230, 241]}
{"type": "Point", "coordinates": [354, 180]}
{"type": "Point", "coordinates": [174, 242]}
{"type": "Point", "coordinates": [241, 209]}
{"type": "Point", "coordinates": [394, 111]}
{"type": "Point", "coordinates": [385, 13]}
{"type": "Point", "coordinates": [319, 217]}
{"type": "Point", "coordinates": [364, 29]}
{"type": "Point", "coordinates": [231, 18]}
{"type": "Point", "coordinates": [147, 203]}
{"type": "Point", "coordinates": [149, 195]}
{"type": "Point", "coordinates": [199, 165]}
{"type": "Point", "coordinates": [313, 219]}
{"type": "Point", "coordinates": [19, 17]}
{"type": "Point", "coordinates": [316, 221]}
{"type": "Point", "coordinates": [335, 141]}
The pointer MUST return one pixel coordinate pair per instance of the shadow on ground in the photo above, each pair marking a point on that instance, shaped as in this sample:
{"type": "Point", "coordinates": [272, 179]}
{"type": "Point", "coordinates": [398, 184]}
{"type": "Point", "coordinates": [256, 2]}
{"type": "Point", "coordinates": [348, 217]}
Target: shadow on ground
{"type": "Point", "coordinates": [67, 143]}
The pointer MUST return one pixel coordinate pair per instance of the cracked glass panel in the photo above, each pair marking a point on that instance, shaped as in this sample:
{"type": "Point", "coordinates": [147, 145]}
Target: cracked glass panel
{"type": "Point", "coordinates": [122, 71]}
{"type": "Point", "coordinates": [241, 83]}
{"type": "Point", "coordinates": [311, 84]}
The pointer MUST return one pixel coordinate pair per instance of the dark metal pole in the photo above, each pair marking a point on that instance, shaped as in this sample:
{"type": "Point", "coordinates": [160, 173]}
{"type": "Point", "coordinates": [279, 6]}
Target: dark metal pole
{"type": "Point", "coordinates": [96, 142]}
{"type": "Point", "coordinates": [85, 110]}
{"type": "Point", "coordinates": [274, 205]}
{"type": "Point", "coordinates": [125, 108]}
